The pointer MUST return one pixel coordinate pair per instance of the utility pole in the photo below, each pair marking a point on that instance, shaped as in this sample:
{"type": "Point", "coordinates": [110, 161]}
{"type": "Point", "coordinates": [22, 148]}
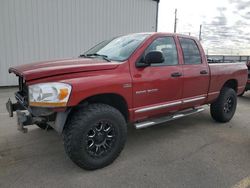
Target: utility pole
{"type": "Point", "coordinates": [175, 20]}
{"type": "Point", "coordinates": [200, 33]}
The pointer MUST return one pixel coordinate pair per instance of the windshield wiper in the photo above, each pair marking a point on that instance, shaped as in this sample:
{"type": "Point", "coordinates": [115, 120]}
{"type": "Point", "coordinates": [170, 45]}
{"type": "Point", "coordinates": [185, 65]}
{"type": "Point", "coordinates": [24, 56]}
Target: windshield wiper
{"type": "Point", "coordinates": [82, 55]}
{"type": "Point", "coordinates": [95, 54]}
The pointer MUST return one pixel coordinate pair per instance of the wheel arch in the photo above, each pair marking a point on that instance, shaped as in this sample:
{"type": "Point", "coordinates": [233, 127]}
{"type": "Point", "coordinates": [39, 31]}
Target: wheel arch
{"type": "Point", "coordinates": [113, 99]}
{"type": "Point", "coordinates": [232, 83]}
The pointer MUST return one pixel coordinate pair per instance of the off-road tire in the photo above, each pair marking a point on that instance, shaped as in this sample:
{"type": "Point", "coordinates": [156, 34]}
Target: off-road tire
{"type": "Point", "coordinates": [218, 109]}
{"type": "Point", "coordinates": [76, 135]}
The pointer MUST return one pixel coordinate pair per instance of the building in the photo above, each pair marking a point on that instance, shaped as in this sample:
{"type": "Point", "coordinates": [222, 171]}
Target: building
{"type": "Point", "coordinates": [36, 30]}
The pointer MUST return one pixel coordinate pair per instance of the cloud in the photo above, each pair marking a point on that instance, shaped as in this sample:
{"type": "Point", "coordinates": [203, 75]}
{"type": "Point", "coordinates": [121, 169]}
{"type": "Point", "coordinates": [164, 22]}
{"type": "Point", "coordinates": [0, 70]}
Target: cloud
{"type": "Point", "coordinates": [225, 23]}
{"type": "Point", "coordinates": [240, 4]}
{"type": "Point", "coordinates": [246, 15]}
{"type": "Point", "coordinates": [241, 7]}
{"type": "Point", "coordinates": [221, 19]}
{"type": "Point", "coordinates": [229, 30]}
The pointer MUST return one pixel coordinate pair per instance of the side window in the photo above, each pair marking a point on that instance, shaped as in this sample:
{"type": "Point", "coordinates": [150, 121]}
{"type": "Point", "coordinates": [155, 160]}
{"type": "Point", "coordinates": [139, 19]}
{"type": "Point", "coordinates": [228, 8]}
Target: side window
{"type": "Point", "coordinates": [191, 51]}
{"type": "Point", "coordinates": [168, 48]}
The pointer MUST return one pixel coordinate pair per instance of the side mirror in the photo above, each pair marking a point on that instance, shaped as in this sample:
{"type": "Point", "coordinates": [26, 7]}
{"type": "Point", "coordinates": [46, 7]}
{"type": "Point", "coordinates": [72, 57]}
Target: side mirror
{"type": "Point", "coordinates": [154, 57]}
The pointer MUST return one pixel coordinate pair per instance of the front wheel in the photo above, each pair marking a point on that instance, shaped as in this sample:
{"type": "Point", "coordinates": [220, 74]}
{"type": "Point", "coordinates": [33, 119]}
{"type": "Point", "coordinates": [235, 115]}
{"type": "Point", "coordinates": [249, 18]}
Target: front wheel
{"type": "Point", "coordinates": [94, 136]}
{"type": "Point", "coordinates": [223, 109]}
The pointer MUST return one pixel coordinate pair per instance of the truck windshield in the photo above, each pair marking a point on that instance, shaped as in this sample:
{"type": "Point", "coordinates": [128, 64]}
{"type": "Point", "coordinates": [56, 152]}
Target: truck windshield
{"type": "Point", "coordinates": [117, 49]}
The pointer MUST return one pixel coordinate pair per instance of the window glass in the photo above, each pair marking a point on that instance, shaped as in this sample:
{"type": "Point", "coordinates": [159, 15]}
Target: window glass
{"type": "Point", "coordinates": [190, 50]}
{"type": "Point", "coordinates": [120, 48]}
{"type": "Point", "coordinates": [168, 48]}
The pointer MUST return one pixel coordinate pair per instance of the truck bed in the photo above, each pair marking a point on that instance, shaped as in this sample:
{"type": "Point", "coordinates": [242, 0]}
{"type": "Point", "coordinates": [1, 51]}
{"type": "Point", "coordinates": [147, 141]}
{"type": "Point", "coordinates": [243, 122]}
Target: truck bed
{"type": "Point", "coordinates": [219, 72]}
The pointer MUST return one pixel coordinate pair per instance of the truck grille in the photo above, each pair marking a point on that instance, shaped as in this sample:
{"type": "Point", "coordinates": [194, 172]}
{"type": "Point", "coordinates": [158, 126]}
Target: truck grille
{"type": "Point", "coordinates": [22, 94]}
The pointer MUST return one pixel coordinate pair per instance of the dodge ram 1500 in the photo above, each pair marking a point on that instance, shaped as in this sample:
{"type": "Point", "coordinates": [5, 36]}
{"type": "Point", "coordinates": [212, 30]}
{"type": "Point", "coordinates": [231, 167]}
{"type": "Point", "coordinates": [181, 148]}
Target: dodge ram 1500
{"type": "Point", "coordinates": [142, 79]}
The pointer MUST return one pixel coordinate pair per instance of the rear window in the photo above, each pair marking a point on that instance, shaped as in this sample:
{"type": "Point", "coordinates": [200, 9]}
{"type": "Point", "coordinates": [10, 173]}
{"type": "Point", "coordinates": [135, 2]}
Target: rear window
{"type": "Point", "coordinates": [191, 51]}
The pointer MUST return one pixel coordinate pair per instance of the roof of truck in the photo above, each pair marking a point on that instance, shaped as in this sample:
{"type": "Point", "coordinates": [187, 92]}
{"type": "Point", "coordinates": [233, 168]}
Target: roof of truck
{"type": "Point", "coordinates": [166, 33]}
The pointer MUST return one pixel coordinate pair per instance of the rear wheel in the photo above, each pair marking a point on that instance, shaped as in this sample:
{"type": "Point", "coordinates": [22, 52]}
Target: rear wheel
{"type": "Point", "coordinates": [223, 109]}
{"type": "Point", "coordinates": [94, 136]}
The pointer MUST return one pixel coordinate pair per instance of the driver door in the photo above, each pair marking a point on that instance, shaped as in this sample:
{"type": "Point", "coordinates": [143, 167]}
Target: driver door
{"type": "Point", "coordinates": [157, 89]}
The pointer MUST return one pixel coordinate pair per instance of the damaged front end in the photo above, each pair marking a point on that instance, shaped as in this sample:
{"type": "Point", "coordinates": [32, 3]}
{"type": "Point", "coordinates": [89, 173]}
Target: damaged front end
{"type": "Point", "coordinates": [29, 115]}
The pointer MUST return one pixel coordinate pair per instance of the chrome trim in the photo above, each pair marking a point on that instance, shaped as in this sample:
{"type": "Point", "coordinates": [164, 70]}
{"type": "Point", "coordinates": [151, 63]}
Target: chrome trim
{"type": "Point", "coordinates": [213, 93]}
{"type": "Point", "coordinates": [140, 125]}
{"type": "Point", "coordinates": [178, 116]}
{"type": "Point", "coordinates": [144, 124]}
{"type": "Point", "coordinates": [158, 107]}
{"type": "Point", "coordinates": [193, 99]}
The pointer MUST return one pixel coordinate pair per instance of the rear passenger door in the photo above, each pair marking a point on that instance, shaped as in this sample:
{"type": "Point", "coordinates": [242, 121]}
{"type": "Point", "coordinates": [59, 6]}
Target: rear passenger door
{"type": "Point", "coordinates": [195, 73]}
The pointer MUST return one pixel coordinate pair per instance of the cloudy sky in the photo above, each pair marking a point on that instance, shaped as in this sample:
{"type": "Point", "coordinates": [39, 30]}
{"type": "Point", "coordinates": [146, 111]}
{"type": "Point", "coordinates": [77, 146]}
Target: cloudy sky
{"type": "Point", "coordinates": [225, 23]}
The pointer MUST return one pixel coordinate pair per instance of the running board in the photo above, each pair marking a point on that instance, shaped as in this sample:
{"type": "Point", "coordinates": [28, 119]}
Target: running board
{"type": "Point", "coordinates": [178, 115]}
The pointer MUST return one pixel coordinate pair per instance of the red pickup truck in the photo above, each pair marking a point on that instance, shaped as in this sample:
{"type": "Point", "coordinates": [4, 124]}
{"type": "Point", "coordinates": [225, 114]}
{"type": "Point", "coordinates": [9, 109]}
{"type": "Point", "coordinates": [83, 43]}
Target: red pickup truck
{"type": "Point", "coordinates": [143, 79]}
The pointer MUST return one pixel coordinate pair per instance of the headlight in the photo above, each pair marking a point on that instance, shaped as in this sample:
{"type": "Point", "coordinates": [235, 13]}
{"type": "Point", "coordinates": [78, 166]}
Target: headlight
{"type": "Point", "coordinates": [49, 94]}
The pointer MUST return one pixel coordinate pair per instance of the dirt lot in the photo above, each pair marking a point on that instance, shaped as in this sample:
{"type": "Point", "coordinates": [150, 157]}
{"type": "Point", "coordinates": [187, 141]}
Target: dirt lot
{"type": "Point", "coordinates": [191, 152]}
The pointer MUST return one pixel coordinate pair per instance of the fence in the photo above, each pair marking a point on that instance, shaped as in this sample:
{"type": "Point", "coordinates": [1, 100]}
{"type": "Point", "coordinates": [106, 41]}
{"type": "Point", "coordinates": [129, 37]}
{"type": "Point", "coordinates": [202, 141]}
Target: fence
{"type": "Point", "coordinates": [228, 58]}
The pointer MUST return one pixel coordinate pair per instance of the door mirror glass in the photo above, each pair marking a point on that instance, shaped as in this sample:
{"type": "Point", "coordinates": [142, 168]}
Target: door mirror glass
{"type": "Point", "coordinates": [154, 57]}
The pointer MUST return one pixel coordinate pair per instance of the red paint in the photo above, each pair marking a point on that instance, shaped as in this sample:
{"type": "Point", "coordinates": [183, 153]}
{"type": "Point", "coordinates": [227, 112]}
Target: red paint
{"type": "Point", "coordinates": [59, 67]}
{"type": "Point", "coordinates": [90, 77]}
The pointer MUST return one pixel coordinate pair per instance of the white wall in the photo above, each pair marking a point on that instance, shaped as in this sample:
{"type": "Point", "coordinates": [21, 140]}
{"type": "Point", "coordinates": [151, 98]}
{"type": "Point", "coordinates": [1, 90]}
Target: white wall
{"type": "Point", "coordinates": [35, 30]}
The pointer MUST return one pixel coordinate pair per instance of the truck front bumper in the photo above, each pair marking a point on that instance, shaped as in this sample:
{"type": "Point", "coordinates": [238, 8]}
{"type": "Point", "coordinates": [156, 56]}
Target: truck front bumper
{"type": "Point", "coordinates": [26, 116]}
{"type": "Point", "coordinates": [23, 118]}
{"type": "Point", "coordinates": [13, 107]}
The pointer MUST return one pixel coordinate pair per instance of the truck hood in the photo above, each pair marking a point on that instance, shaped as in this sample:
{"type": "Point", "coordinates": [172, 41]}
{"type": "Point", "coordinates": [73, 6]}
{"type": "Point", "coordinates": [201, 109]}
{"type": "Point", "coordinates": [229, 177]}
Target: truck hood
{"type": "Point", "coordinates": [38, 70]}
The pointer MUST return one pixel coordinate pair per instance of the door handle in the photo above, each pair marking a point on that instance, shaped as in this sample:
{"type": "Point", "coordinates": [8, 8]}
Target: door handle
{"type": "Point", "coordinates": [176, 74]}
{"type": "Point", "coordinates": [203, 72]}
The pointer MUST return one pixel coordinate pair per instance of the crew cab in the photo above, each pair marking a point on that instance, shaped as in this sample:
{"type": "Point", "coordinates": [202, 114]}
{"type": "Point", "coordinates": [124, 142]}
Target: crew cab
{"type": "Point", "coordinates": [140, 79]}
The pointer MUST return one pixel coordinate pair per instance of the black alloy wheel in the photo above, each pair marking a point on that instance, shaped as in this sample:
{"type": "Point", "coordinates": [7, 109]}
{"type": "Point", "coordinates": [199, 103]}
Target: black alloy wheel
{"type": "Point", "coordinates": [228, 106]}
{"type": "Point", "coordinates": [223, 109]}
{"type": "Point", "coordinates": [100, 138]}
{"type": "Point", "coordinates": [94, 135]}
